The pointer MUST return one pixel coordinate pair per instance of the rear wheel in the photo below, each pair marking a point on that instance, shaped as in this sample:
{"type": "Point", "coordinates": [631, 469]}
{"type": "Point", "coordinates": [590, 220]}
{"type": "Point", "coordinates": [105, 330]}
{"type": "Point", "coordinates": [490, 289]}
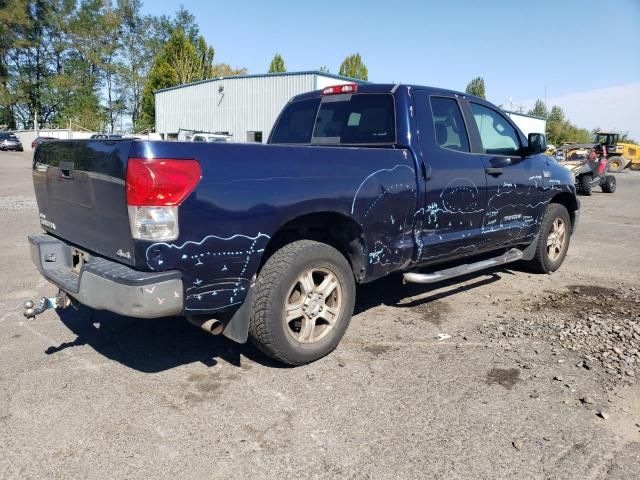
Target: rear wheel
{"type": "Point", "coordinates": [303, 303]}
{"type": "Point", "coordinates": [585, 184]}
{"type": "Point", "coordinates": [616, 164]}
{"type": "Point", "coordinates": [553, 239]}
{"type": "Point", "coordinates": [608, 184]}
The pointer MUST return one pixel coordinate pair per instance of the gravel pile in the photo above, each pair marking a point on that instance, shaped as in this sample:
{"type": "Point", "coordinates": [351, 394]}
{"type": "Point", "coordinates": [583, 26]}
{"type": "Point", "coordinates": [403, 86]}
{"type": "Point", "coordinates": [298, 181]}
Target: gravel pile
{"type": "Point", "coordinates": [16, 204]}
{"type": "Point", "coordinates": [601, 325]}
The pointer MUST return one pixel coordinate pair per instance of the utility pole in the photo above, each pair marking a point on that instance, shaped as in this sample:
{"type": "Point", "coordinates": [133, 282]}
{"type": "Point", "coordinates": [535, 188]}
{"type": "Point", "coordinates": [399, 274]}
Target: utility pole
{"type": "Point", "coordinates": [35, 123]}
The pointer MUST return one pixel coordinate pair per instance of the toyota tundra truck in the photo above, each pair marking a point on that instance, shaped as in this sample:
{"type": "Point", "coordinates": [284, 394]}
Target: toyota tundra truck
{"type": "Point", "coordinates": [268, 242]}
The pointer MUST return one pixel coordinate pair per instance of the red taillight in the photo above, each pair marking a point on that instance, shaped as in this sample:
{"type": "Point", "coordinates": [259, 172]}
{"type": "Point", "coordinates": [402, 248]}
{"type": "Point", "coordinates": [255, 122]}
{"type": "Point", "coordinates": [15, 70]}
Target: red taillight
{"type": "Point", "coordinates": [336, 89]}
{"type": "Point", "coordinates": [160, 182]}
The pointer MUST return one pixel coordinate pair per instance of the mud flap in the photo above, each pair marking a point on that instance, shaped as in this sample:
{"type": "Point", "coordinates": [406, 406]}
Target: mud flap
{"type": "Point", "coordinates": [530, 252]}
{"type": "Point", "coordinates": [237, 327]}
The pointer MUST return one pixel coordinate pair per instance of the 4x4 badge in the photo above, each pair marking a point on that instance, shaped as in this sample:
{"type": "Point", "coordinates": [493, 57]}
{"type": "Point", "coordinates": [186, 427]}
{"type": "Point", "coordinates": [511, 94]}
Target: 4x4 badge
{"type": "Point", "coordinates": [122, 254]}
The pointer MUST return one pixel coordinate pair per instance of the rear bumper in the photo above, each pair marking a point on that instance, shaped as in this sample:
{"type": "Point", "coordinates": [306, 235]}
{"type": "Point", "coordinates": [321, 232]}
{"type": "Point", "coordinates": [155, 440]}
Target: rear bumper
{"type": "Point", "coordinates": [106, 285]}
{"type": "Point", "coordinates": [6, 147]}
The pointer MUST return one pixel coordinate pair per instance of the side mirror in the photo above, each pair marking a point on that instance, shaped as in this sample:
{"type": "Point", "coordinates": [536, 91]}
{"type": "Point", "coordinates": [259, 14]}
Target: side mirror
{"type": "Point", "coordinates": [537, 143]}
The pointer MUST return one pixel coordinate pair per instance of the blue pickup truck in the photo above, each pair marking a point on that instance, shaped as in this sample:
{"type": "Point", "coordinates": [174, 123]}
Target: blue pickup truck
{"type": "Point", "coordinates": [269, 241]}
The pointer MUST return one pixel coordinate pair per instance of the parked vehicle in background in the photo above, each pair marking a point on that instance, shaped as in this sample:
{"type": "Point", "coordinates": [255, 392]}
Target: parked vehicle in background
{"type": "Point", "coordinates": [620, 154]}
{"type": "Point", "coordinates": [38, 140]}
{"type": "Point", "coordinates": [590, 170]}
{"type": "Point", "coordinates": [269, 241]}
{"type": "Point", "coordinates": [106, 136]}
{"type": "Point", "coordinates": [9, 141]}
{"type": "Point", "coordinates": [211, 137]}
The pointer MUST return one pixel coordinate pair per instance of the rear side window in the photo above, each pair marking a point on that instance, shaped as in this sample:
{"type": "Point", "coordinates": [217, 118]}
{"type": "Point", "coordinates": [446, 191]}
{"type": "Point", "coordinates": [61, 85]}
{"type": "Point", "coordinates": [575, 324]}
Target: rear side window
{"type": "Point", "coordinates": [296, 122]}
{"type": "Point", "coordinates": [356, 119]}
{"type": "Point", "coordinates": [359, 119]}
{"type": "Point", "coordinates": [450, 130]}
{"type": "Point", "coordinates": [496, 133]}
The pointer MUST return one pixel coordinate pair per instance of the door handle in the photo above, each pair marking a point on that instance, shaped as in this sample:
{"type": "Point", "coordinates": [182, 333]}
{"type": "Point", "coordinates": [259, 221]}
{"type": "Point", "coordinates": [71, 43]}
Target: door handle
{"type": "Point", "coordinates": [495, 171]}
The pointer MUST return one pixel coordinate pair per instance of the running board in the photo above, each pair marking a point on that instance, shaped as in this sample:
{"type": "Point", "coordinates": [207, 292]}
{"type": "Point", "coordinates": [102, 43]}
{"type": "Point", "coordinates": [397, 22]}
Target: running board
{"type": "Point", "coordinates": [512, 255]}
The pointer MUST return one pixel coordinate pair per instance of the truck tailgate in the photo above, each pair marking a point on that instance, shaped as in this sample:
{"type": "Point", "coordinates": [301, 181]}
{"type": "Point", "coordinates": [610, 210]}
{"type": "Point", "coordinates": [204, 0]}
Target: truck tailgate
{"type": "Point", "coordinates": [81, 194]}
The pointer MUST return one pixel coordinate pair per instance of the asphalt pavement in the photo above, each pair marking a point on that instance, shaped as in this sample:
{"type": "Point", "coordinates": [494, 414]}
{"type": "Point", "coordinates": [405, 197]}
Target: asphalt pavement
{"type": "Point", "coordinates": [466, 379]}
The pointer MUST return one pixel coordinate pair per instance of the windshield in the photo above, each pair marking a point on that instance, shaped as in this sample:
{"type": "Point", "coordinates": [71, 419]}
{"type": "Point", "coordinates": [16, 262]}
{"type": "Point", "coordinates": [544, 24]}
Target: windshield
{"type": "Point", "coordinates": [359, 119]}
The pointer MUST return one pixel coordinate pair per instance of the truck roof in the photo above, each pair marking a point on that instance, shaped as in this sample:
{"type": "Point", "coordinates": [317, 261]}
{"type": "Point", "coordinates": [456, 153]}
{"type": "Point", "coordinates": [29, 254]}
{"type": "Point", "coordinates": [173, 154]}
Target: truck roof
{"type": "Point", "coordinates": [389, 88]}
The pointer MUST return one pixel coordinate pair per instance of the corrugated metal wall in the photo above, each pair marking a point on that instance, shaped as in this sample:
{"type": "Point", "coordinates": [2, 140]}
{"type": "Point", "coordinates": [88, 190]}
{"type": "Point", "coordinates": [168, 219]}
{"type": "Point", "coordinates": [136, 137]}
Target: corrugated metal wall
{"type": "Point", "coordinates": [236, 105]}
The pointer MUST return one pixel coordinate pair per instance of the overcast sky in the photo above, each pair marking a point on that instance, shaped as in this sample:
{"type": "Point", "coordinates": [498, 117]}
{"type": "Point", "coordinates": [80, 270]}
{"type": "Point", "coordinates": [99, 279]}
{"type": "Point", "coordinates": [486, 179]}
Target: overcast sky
{"type": "Point", "coordinates": [589, 68]}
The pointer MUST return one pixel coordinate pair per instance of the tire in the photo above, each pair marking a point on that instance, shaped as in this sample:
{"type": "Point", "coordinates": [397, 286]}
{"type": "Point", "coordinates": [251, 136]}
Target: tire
{"type": "Point", "coordinates": [548, 257]}
{"type": "Point", "coordinates": [635, 166]}
{"type": "Point", "coordinates": [608, 184]}
{"type": "Point", "coordinates": [585, 184]}
{"type": "Point", "coordinates": [616, 164]}
{"type": "Point", "coordinates": [285, 280]}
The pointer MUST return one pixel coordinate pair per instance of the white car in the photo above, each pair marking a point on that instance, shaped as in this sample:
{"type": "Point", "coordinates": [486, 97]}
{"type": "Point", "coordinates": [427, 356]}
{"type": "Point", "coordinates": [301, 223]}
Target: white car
{"type": "Point", "coordinates": [210, 137]}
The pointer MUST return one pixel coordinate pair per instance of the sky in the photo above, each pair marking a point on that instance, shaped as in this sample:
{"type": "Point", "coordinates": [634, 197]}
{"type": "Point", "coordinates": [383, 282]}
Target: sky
{"type": "Point", "coordinates": [585, 54]}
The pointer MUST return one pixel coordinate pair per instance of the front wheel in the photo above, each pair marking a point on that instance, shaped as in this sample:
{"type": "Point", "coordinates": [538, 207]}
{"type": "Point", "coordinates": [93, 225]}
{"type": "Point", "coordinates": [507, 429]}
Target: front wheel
{"type": "Point", "coordinates": [608, 184]}
{"type": "Point", "coordinates": [616, 164]}
{"type": "Point", "coordinates": [553, 239]}
{"type": "Point", "coordinates": [585, 184]}
{"type": "Point", "coordinates": [303, 302]}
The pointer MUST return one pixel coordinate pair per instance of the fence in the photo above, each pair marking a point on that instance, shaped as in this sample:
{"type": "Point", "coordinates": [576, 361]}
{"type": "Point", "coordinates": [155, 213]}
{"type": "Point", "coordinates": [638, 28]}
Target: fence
{"type": "Point", "coordinates": [27, 136]}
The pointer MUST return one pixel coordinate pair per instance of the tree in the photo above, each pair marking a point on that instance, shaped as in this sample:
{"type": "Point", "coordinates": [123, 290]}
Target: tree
{"type": "Point", "coordinates": [353, 67]}
{"type": "Point", "coordinates": [560, 130]}
{"type": "Point", "coordinates": [180, 61]}
{"type": "Point", "coordinates": [94, 62]}
{"type": "Point", "coordinates": [476, 87]}
{"type": "Point", "coordinates": [225, 70]}
{"type": "Point", "coordinates": [277, 64]}
{"type": "Point", "coordinates": [324, 69]}
{"type": "Point", "coordinates": [539, 109]}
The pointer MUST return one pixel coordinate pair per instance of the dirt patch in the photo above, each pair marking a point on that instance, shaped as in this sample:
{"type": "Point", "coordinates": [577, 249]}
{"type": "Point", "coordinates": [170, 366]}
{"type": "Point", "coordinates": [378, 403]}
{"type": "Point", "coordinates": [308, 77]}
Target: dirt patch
{"type": "Point", "coordinates": [207, 386]}
{"type": "Point", "coordinates": [376, 350]}
{"type": "Point", "coordinates": [433, 312]}
{"type": "Point", "coordinates": [505, 377]}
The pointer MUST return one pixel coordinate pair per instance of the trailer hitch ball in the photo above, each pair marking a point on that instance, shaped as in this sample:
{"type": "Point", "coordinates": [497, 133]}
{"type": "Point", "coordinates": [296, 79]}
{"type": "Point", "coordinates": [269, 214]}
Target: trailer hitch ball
{"type": "Point", "coordinates": [61, 300]}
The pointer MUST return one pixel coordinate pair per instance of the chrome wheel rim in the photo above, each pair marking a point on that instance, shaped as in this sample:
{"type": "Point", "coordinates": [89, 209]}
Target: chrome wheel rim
{"type": "Point", "coordinates": [313, 305]}
{"type": "Point", "coordinates": [556, 239]}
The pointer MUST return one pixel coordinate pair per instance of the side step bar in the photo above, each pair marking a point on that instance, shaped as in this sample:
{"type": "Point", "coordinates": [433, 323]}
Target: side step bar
{"type": "Point", "coordinates": [512, 255]}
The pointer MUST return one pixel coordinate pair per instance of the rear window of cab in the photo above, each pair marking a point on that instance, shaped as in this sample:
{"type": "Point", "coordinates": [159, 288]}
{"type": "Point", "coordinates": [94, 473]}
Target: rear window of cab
{"type": "Point", "coordinates": [352, 119]}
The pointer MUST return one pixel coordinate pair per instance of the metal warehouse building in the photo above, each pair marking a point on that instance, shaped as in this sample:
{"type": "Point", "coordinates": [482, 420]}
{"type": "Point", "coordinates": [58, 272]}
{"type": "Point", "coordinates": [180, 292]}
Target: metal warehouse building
{"type": "Point", "coordinates": [528, 123]}
{"type": "Point", "coordinates": [245, 106]}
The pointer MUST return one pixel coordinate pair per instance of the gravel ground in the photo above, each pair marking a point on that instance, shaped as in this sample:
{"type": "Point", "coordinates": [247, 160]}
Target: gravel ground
{"type": "Point", "coordinates": [504, 374]}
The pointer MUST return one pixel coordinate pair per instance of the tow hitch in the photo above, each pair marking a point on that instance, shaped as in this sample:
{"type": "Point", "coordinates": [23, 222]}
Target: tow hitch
{"type": "Point", "coordinates": [60, 301]}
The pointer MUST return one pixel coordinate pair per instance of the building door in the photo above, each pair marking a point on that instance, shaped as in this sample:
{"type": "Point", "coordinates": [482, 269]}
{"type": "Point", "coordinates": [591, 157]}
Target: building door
{"type": "Point", "coordinates": [254, 136]}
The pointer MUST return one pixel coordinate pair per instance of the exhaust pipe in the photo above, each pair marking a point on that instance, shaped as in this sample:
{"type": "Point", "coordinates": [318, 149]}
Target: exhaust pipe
{"type": "Point", "coordinates": [209, 325]}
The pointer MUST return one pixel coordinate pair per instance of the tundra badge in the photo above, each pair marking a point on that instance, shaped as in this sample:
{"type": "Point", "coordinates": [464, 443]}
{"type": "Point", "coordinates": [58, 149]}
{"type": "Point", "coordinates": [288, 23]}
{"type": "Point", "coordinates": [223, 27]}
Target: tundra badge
{"type": "Point", "coordinates": [46, 223]}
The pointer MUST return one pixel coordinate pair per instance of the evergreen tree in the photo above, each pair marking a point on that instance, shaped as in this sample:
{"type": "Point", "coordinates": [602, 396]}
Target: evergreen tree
{"type": "Point", "coordinates": [353, 67]}
{"type": "Point", "coordinates": [277, 64]}
{"type": "Point", "coordinates": [476, 87]}
{"type": "Point", "coordinates": [180, 61]}
{"type": "Point", "coordinates": [539, 109]}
